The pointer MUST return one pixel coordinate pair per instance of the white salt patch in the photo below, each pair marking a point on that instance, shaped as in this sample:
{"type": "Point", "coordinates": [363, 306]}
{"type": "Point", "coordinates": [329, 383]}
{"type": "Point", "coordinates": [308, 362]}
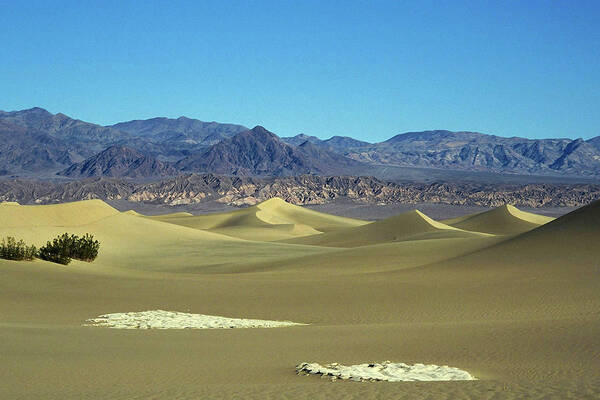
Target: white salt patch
{"type": "Point", "coordinates": [386, 371]}
{"type": "Point", "coordinates": [159, 319]}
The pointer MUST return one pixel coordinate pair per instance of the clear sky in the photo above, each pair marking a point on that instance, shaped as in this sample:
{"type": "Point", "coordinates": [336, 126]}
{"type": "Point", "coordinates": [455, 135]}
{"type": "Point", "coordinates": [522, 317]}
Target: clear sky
{"type": "Point", "coordinates": [368, 69]}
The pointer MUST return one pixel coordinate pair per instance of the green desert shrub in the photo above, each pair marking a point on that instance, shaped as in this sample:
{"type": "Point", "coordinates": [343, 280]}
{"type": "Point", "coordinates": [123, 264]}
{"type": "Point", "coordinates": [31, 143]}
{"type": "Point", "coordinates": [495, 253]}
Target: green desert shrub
{"type": "Point", "coordinates": [85, 248]}
{"type": "Point", "coordinates": [63, 248]}
{"type": "Point", "coordinates": [57, 250]}
{"type": "Point", "coordinates": [10, 249]}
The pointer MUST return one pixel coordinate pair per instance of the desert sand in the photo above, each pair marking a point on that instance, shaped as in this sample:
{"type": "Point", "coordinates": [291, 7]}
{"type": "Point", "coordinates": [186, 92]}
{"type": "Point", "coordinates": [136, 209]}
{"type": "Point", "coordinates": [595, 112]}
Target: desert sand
{"type": "Point", "coordinates": [509, 297]}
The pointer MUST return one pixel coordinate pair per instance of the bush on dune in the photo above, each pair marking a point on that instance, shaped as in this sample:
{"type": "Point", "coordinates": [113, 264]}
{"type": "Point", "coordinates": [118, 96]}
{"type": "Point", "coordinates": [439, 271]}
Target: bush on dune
{"type": "Point", "coordinates": [86, 248]}
{"type": "Point", "coordinates": [60, 250]}
{"type": "Point", "coordinates": [57, 251]}
{"type": "Point", "coordinates": [10, 249]}
{"type": "Point", "coordinates": [63, 248]}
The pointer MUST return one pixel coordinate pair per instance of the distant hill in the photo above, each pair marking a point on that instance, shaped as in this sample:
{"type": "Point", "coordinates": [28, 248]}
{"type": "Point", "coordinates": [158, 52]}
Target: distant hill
{"type": "Point", "coordinates": [30, 150]}
{"type": "Point", "coordinates": [301, 138]}
{"type": "Point", "coordinates": [182, 129]}
{"type": "Point", "coordinates": [344, 143]}
{"type": "Point", "coordinates": [595, 142]}
{"type": "Point", "coordinates": [81, 137]}
{"type": "Point", "coordinates": [38, 142]}
{"type": "Point", "coordinates": [481, 152]}
{"type": "Point", "coordinates": [119, 161]}
{"type": "Point", "coordinates": [260, 152]}
{"type": "Point", "coordinates": [334, 143]}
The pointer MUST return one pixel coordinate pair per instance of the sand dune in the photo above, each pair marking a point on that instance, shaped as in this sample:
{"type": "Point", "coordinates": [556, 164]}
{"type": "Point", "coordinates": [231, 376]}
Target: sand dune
{"type": "Point", "coordinates": [564, 245]}
{"type": "Point", "coordinates": [270, 220]}
{"type": "Point", "coordinates": [518, 311]}
{"type": "Point", "coordinates": [412, 225]}
{"type": "Point", "coordinates": [9, 203]}
{"type": "Point", "coordinates": [390, 256]}
{"type": "Point", "coordinates": [132, 212]}
{"type": "Point", "coordinates": [504, 220]}
{"type": "Point", "coordinates": [138, 243]}
{"type": "Point", "coordinates": [172, 215]}
{"type": "Point", "coordinates": [66, 214]}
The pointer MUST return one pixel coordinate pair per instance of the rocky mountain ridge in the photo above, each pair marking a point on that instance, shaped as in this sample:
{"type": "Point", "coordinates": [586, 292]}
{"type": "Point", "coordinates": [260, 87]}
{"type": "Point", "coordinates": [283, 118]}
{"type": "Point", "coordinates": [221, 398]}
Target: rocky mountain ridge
{"type": "Point", "coordinates": [258, 152]}
{"type": "Point", "coordinates": [59, 141]}
{"type": "Point", "coordinates": [477, 151]}
{"type": "Point", "coordinates": [38, 142]}
{"type": "Point", "coordinates": [304, 189]}
{"type": "Point", "coordinates": [120, 161]}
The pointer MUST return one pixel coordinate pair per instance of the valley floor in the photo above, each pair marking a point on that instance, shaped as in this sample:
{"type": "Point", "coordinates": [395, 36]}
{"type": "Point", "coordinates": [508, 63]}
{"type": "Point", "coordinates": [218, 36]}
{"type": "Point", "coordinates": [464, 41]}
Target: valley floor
{"type": "Point", "coordinates": [514, 301]}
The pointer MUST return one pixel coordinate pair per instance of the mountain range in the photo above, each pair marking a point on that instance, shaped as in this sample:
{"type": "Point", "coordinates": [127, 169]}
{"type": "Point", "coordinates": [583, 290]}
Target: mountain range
{"type": "Point", "coordinates": [39, 143]}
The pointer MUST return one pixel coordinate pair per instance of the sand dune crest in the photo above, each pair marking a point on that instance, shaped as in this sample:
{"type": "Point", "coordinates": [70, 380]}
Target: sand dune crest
{"type": "Point", "coordinates": [504, 220]}
{"type": "Point", "coordinates": [409, 225]}
{"type": "Point", "coordinates": [273, 219]}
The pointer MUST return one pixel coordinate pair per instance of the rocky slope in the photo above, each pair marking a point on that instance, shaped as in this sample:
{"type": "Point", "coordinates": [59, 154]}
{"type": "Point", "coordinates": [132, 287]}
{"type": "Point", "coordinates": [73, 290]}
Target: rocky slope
{"type": "Point", "coordinates": [306, 189]}
{"type": "Point", "coordinates": [79, 136]}
{"type": "Point", "coordinates": [182, 130]}
{"type": "Point", "coordinates": [335, 143]}
{"type": "Point", "coordinates": [480, 152]}
{"type": "Point", "coordinates": [45, 143]}
{"type": "Point", "coordinates": [258, 152]}
{"type": "Point", "coordinates": [23, 150]}
{"type": "Point", "coordinates": [301, 138]}
{"type": "Point", "coordinates": [120, 161]}
{"type": "Point", "coordinates": [38, 142]}
{"type": "Point", "coordinates": [342, 143]}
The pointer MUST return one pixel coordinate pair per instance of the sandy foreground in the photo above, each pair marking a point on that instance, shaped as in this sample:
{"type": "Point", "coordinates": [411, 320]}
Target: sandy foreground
{"type": "Point", "coordinates": [512, 299]}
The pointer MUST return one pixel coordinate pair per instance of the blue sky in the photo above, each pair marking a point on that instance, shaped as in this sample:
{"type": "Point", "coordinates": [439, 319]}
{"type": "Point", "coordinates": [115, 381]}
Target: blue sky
{"type": "Point", "coordinates": [367, 69]}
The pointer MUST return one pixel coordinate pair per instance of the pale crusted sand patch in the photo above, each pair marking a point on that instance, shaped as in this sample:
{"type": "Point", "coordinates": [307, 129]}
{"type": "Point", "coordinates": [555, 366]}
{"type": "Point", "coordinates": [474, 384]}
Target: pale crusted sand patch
{"type": "Point", "coordinates": [386, 371]}
{"type": "Point", "coordinates": [159, 319]}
